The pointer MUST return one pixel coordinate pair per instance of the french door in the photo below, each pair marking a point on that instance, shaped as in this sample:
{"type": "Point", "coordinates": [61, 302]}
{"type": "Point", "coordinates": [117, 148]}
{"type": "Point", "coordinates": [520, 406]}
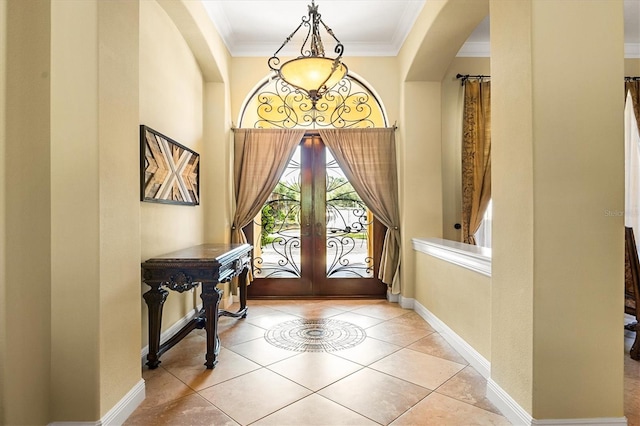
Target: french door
{"type": "Point", "coordinates": [315, 237]}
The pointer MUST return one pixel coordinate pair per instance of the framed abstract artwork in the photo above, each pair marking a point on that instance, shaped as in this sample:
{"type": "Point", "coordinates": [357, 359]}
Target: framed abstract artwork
{"type": "Point", "coordinates": [169, 172]}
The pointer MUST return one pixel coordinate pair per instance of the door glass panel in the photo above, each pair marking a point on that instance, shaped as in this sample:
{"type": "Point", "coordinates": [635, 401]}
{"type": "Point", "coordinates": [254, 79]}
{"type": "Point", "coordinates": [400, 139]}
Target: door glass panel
{"type": "Point", "coordinates": [277, 227]}
{"type": "Point", "coordinates": [349, 225]}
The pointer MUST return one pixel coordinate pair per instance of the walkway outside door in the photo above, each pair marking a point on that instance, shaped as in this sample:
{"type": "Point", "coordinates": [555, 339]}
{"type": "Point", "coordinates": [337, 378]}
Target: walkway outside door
{"type": "Point", "coordinates": [315, 237]}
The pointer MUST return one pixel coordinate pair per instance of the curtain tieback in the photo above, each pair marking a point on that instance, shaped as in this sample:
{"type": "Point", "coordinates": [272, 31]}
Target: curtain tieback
{"type": "Point", "coordinates": [233, 227]}
{"type": "Point", "coordinates": [395, 228]}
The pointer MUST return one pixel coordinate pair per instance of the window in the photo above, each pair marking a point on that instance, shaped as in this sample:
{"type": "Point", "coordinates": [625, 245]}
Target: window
{"type": "Point", "coordinates": [632, 168]}
{"type": "Point", "coordinates": [483, 235]}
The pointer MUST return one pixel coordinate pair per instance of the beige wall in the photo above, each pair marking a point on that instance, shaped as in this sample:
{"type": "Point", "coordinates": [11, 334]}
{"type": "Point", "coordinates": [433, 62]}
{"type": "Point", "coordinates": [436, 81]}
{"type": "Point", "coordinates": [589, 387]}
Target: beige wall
{"type": "Point", "coordinates": [72, 277]}
{"type": "Point", "coordinates": [557, 167]}
{"type": "Point", "coordinates": [452, 105]}
{"type": "Point", "coordinates": [119, 313]}
{"type": "Point", "coordinates": [27, 292]}
{"type": "Point", "coordinates": [94, 210]}
{"type": "Point", "coordinates": [457, 296]}
{"type": "Point", "coordinates": [439, 31]}
{"type": "Point", "coordinates": [217, 192]}
{"type": "Point", "coordinates": [3, 236]}
{"type": "Point", "coordinates": [171, 102]}
{"type": "Point", "coordinates": [632, 67]}
{"type": "Point", "coordinates": [420, 168]}
{"type": "Point", "coordinates": [75, 209]}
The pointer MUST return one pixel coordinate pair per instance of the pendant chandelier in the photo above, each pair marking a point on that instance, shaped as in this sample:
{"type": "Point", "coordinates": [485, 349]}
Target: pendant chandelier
{"type": "Point", "coordinates": [311, 73]}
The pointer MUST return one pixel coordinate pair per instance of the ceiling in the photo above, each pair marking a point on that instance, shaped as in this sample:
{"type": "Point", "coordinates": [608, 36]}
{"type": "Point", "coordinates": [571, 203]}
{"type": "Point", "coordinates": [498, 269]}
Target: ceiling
{"type": "Point", "coordinates": [365, 27]}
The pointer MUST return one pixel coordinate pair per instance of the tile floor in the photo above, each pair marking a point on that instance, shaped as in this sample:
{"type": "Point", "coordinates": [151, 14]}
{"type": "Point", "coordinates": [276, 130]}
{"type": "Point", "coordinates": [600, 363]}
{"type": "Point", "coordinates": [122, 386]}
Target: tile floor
{"type": "Point", "coordinates": [403, 373]}
{"type": "Point", "coordinates": [631, 380]}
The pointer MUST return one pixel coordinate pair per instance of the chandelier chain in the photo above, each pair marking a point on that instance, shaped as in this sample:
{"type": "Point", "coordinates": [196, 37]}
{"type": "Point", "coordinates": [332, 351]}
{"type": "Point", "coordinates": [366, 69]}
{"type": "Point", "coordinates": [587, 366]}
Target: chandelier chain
{"type": "Point", "coordinates": [311, 74]}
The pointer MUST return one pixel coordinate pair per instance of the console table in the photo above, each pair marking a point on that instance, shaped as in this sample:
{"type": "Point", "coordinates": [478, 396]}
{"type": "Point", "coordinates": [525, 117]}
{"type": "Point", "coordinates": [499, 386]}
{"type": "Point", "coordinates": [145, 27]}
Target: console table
{"type": "Point", "coordinates": [206, 264]}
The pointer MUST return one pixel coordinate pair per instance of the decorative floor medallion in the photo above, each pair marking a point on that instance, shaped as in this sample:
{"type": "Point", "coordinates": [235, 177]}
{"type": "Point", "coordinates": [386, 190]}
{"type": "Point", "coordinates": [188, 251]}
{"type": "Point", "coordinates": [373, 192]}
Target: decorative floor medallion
{"type": "Point", "coordinates": [315, 335]}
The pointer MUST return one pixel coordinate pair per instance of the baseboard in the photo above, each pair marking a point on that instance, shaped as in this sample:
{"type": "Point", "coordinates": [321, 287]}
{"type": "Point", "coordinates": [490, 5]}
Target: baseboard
{"type": "Point", "coordinates": [467, 351]}
{"type": "Point", "coordinates": [127, 405]}
{"type": "Point", "coordinates": [119, 413]}
{"type": "Point", "coordinates": [604, 421]}
{"type": "Point", "coordinates": [507, 405]}
{"type": "Point", "coordinates": [518, 416]}
{"type": "Point", "coordinates": [406, 302]}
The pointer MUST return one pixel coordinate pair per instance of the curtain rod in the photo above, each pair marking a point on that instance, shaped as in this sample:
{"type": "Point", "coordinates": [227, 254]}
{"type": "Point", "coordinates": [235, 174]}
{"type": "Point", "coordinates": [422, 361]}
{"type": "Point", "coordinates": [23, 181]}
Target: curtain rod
{"type": "Point", "coordinates": [465, 77]}
{"type": "Point", "coordinates": [312, 132]}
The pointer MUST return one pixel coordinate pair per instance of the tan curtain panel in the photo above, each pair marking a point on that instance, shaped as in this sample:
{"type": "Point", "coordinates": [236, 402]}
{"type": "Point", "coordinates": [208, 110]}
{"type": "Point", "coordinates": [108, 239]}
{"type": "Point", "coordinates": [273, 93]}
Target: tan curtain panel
{"type": "Point", "coordinates": [634, 88]}
{"type": "Point", "coordinates": [368, 159]}
{"type": "Point", "coordinates": [260, 158]}
{"type": "Point", "coordinates": [476, 156]}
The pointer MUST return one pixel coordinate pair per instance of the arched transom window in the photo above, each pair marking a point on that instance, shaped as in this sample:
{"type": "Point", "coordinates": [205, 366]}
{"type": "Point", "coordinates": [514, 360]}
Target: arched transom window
{"type": "Point", "coordinates": [350, 104]}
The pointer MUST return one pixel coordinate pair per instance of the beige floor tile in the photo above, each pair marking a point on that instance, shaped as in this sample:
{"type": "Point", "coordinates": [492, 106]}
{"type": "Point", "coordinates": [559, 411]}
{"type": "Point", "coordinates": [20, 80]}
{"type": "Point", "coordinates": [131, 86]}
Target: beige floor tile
{"type": "Point", "coordinates": [440, 410]}
{"type": "Point", "coordinates": [311, 310]}
{"type": "Point", "coordinates": [375, 395]}
{"type": "Point", "coordinates": [239, 332]}
{"type": "Point", "coordinates": [384, 311]}
{"type": "Point", "coordinates": [436, 345]}
{"type": "Point", "coordinates": [270, 320]}
{"type": "Point", "coordinates": [195, 375]}
{"type": "Point", "coordinates": [315, 370]}
{"type": "Point", "coordinates": [254, 395]}
{"type": "Point", "coordinates": [413, 320]}
{"type": "Point", "coordinates": [398, 334]}
{"type": "Point", "coordinates": [189, 410]}
{"type": "Point", "coordinates": [283, 304]}
{"type": "Point", "coordinates": [468, 386]}
{"type": "Point", "coordinates": [256, 310]}
{"type": "Point", "coordinates": [357, 319]}
{"type": "Point", "coordinates": [459, 401]}
{"type": "Point", "coordinates": [421, 369]}
{"type": "Point", "coordinates": [631, 367]}
{"type": "Point", "coordinates": [631, 387]}
{"type": "Point", "coordinates": [351, 304]}
{"type": "Point", "coordinates": [162, 387]}
{"type": "Point", "coordinates": [262, 352]}
{"type": "Point", "coordinates": [370, 350]}
{"type": "Point", "coordinates": [631, 380]}
{"type": "Point", "coordinates": [314, 410]}
{"type": "Point", "coordinates": [194, 344]}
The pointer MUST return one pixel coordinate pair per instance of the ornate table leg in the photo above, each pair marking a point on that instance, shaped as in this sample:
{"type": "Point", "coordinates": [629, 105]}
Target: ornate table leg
{"type": "Point", "coordinates": [635, 348]}
{"type": "Point", "coordinates": [155, 300]}
{"type": "Point", "coordinates": [242, 282]}
{"type": "Point", "coordinates": [211, 296]}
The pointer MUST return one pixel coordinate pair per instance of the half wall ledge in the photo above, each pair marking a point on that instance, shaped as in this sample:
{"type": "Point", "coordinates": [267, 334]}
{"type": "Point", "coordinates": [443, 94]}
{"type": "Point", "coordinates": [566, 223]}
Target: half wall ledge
{"type": "Point", "coordinates": [474, 258]}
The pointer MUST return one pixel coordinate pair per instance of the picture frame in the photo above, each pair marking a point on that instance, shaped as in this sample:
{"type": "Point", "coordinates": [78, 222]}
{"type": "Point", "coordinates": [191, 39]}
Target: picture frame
{"type": "Point", "coordinates": [169, 171]}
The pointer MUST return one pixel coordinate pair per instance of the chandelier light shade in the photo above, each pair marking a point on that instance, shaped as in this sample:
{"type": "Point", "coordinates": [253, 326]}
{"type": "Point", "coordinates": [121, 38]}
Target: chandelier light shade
{"type": "Point", "coordinates": [311, 73]}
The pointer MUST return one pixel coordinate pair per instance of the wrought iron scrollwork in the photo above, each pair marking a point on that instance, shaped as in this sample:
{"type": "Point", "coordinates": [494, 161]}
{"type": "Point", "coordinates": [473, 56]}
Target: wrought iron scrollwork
{"type": "Point", "coordinates": [346, 105]}
{"type": "Point", "coordinates": [345, 239]}
{"type": "Point", "coordinates": [279, 239]}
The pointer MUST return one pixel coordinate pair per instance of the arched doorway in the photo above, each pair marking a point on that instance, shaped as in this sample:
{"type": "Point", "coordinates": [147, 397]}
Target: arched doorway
{"type": "Point", "coordinates": [314, 236]}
